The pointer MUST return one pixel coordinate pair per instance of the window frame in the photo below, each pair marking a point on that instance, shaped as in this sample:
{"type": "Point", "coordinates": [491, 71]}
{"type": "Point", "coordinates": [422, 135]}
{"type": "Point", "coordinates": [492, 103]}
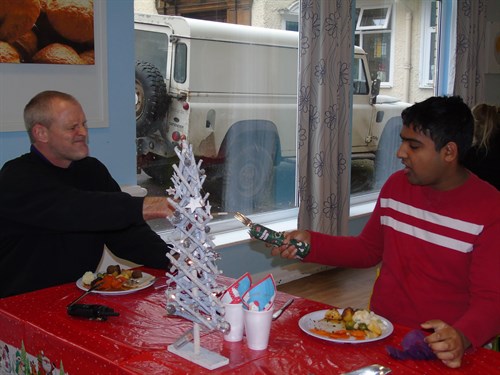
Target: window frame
{"type": "Point", "coordinates": [388, 28]}
{"type": "Point", "coordinates": [385, 23]}
{"type": "Point", "coordinates": [427, 32]}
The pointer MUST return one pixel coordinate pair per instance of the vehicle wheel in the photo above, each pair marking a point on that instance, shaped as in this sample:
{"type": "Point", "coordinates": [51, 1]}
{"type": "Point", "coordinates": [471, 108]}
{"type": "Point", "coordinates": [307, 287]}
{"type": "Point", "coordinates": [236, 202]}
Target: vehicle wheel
{"type": "Point", "coordinates": [248, 177]}
{"type": "Point", "coordinates": [160, 169]}
{"type": "Point", "coordinates": [386, 161]}
{"type": "Point", "coordinates": [151, 99]}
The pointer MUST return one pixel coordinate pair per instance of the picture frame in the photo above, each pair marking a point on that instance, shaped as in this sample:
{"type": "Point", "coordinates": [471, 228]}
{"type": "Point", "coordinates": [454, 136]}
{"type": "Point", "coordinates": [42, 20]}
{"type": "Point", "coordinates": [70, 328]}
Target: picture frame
{"type": "Point", "coordinates": [87, 83]}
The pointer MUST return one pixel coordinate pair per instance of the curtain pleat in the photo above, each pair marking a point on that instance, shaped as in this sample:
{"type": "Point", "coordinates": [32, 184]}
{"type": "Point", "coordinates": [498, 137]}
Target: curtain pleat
{"type": "Point", "coordinates": [324, 115]}
{"type": "Point", "coordinates": [470, 50]}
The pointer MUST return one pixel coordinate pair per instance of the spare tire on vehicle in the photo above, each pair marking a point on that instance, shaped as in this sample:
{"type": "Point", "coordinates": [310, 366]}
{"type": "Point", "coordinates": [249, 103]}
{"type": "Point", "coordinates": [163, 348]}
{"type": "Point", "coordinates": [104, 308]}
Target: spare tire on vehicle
{"type": "Point", "coordinates": [151, 99]}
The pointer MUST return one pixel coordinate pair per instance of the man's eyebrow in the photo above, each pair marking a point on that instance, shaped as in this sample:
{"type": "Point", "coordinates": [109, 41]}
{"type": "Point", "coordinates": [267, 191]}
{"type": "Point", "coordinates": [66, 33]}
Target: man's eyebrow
{"type": "Point", "coordinates": [406, 139]}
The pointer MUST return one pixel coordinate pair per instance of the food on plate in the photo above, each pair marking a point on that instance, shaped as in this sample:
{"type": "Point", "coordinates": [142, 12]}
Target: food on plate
{"type": "Point", "coordinates": [88, 277]}
{"type": "Point", "coordinates": [115, 279]}
{"type": "Point", "coordinates": [348, 325]}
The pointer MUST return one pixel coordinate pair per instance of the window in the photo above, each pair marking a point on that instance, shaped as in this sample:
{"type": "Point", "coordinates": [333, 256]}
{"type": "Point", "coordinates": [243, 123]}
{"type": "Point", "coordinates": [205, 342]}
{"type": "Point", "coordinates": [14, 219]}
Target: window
{"type": "Point", "coordinates": [290, 17]}
{"type": "Point", "coordinates": [428, 43]}
{"type": "Point", "coordinates": [180, 64]}
{"type": "Point", "coordinates": [373, 18]}
{"type": "Point", "coordinates": [152, 47]}
{"type": "Point", "coordinates": [235, 101]}
{"type": "Point", "coordinates": [374, 35]}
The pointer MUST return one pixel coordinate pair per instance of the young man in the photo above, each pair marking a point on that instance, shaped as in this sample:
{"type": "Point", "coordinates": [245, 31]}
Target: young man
{"type": "Point", "coordinates": [59, 207]}
{"type": "Point", "coordinates": [435, 230]}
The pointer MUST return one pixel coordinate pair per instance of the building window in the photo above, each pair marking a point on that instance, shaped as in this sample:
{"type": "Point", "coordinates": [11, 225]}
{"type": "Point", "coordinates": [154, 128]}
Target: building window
{"type": "Point", "coordinates": [428, 44]}
{"type": "Point", "coordinates": [374, 34]}
{"type": "Point", "coordinates": [290, 17]}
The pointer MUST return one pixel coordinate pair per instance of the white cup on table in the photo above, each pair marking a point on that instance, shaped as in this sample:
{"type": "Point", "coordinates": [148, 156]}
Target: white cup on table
{"type": "Point", "coordinates": [258, 328]}
{"type": "Point", "coordinates": [234, 316]}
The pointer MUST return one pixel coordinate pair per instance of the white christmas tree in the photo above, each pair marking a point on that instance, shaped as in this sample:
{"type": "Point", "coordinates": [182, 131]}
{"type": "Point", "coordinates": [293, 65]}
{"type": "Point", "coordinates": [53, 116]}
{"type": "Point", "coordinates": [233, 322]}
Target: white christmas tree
{"type": "Point", "coordinates": [192, 287]}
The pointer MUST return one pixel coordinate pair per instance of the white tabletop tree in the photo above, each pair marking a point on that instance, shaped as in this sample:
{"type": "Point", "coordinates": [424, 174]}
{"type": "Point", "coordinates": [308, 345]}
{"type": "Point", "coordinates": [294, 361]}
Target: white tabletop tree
{"type": "Point", "coordinates": [193, 292]}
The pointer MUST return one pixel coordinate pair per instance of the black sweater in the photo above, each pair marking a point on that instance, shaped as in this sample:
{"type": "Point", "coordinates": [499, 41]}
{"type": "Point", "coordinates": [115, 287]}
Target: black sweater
{"type": "Point", "coordinates": [54, 223]}
{"type": "Point", "coordinates": [486, 165]}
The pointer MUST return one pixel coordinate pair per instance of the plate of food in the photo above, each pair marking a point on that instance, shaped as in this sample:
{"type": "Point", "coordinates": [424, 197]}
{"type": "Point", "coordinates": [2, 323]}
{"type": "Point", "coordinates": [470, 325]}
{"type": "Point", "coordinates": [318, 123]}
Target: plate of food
{"type": "Point", "coordinates": [346, 325]}
{"type": "Point", "coordinates": [116, 281]}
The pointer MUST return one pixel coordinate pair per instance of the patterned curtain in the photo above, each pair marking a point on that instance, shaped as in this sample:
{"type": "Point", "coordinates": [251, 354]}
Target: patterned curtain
{"type": "Point", "coordinates": [471, 55]}
{"type": "Point", "coordinates": [324, 114]}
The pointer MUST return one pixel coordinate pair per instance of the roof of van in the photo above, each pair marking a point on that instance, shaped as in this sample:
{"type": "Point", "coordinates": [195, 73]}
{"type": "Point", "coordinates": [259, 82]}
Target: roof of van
{"type": "Point", "coordinates": [202, 29]}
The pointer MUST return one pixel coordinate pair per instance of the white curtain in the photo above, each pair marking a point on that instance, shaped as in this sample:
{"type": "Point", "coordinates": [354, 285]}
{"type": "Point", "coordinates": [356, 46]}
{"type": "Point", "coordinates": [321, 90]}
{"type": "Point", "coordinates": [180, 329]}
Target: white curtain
{"type": "Point", "coordinates": [324, 114]}
{"type": "Point", "coordinates": [470, 50]}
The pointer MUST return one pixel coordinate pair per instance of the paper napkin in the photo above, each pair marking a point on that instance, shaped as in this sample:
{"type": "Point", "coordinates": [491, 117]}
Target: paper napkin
{"type": "Point", "coordinates": [236, 290]}
{"type": "Point", "coordinates": [260, 297]}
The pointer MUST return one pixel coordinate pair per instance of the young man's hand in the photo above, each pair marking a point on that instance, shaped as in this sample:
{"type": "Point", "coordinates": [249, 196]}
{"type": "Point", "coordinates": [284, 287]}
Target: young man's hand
{"type": "Point", "coordinates": [446, 342]}
{"type": "Point", "coordinates": [287, 250]}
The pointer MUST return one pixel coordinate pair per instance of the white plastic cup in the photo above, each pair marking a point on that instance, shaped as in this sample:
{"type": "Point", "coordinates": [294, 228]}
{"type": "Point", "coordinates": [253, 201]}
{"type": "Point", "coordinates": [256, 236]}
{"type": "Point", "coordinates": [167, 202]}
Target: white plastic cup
{"type": "Point", "coordinates": [234, 316]}
{"type": "Point", "coordinates": [258, 328]}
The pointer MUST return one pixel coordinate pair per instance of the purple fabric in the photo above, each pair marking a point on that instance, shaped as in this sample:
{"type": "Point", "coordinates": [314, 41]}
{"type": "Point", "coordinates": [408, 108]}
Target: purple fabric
{"type": "Point", "coordinates": [414, 347]}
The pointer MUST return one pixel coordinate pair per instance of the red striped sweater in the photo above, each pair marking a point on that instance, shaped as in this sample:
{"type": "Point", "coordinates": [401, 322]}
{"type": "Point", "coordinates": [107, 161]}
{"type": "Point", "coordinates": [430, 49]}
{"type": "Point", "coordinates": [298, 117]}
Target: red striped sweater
{"type": "Point", "coordinates": [440, 254]}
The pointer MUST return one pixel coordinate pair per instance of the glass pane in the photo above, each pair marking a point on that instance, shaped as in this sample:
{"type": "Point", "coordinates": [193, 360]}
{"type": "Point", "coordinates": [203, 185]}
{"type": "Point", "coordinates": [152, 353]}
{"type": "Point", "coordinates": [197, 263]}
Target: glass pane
{"type": "Point", "coordinates": [152, 47]}
{"type": "Point", "coordinates": [433, 14]}
{"type": "Point", "coordinates": [292, 25]}
{"type": "Point", "coordinates": [374, 17]}
{"type": "Point", "coordinates": [360, 82]}
{"type": "Point", "coordinates": [378, 47]}
{"type": "Point", "coordinates": [180, 64]}
{"type": "Point", "coordinates": [432, 57]}
{"type": "Point", "coordinates": [233, 96]}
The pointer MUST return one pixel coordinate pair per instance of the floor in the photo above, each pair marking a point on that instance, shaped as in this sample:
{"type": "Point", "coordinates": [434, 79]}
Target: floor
{"type": "Point", "coordinates": [340, 287]}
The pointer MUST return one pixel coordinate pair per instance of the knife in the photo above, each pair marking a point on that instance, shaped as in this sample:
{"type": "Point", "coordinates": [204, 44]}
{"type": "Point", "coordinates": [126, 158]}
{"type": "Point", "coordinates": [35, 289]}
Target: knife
{"type": "Point", "coordinates": [277, 313]}
{"type": "Point", "coordinates": [96, 284]}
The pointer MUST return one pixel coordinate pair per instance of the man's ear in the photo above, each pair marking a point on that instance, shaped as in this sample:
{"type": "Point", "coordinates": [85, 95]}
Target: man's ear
{"type": "Point", "coordinates": [450, 151]}
{"type": "Point", "coordinates": [40, 133]}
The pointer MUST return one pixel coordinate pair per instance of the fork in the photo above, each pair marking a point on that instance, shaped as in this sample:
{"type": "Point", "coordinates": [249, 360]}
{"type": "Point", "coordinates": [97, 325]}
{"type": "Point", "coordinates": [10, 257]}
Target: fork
{"type": "Point", "coordinates": [244, 219]}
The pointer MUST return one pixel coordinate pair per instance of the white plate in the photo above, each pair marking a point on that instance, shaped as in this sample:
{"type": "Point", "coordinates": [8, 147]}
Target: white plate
{"type": "Point", "coordinates": [313, 320]}
{"type": "Point", "coordinates": [144, 282]}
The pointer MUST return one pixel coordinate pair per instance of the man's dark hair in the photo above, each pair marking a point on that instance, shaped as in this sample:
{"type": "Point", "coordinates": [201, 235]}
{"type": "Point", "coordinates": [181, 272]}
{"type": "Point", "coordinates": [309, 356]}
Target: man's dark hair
{"type": "Point", "coordinates": [443, 119]}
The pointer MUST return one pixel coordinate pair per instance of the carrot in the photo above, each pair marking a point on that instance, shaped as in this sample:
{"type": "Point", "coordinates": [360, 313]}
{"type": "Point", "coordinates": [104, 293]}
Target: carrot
{"type": "Point", "coordinates": [358, 334]}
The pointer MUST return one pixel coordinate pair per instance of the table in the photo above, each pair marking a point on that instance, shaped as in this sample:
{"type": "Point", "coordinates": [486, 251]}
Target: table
{"type": "Point", "coordinates": [35, 328]}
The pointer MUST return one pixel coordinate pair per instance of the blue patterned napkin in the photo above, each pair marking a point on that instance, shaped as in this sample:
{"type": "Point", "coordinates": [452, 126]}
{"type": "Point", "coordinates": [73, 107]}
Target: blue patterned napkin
{"type": "Point", "coordinates": [260, 297]}
{"type": "Point", "coordinates": [234, 293]}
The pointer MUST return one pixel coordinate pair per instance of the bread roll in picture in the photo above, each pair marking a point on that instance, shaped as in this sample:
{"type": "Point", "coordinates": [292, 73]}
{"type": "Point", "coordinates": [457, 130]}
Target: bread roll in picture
{"type": "Point", "coordinates": [8, 54]}
{"type": "Point", "coordinates": [72, 19]}
{"type": "Point", "coordinates": [57, 53]}
{"type": "Point", "coordinates": [17, 17]}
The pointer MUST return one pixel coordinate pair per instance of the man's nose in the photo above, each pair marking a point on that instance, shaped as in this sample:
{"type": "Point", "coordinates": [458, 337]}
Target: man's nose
{"type": "Point", "coordinates": [401, 153]}
{"type": "Point", "coordinates": [82, 129]}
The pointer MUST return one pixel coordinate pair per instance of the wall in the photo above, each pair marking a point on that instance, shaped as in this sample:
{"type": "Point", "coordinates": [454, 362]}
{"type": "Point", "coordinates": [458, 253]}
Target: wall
{"type": "Point", "coordinates": [114, 145]}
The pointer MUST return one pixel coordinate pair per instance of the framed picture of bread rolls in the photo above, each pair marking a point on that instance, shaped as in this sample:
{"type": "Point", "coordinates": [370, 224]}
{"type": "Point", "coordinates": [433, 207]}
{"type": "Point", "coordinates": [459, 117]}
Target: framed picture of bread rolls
{"type": "Point", "coordinates": [64, 49]}
{"type": "Point", "coordinates": [47, 31]}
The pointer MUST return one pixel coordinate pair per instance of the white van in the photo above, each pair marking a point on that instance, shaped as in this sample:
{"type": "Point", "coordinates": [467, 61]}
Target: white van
{"type": "Point", "coordinates": [231, 91]}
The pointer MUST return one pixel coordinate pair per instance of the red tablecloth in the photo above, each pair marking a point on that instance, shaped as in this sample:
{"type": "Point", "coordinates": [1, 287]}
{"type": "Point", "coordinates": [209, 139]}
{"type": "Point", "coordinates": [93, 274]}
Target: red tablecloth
{"type": "Point", "coordinates": [136, 341]}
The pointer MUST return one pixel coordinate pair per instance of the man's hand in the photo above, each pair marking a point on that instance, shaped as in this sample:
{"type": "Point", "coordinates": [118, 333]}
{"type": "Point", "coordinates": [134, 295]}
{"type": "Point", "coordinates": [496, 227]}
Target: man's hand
{"type": "Point", "coordinates": [287, 250]}
{"type": "Point", "coordinates": [156, 208]}
{"type": "Point", "coordinates": [446, 342]}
